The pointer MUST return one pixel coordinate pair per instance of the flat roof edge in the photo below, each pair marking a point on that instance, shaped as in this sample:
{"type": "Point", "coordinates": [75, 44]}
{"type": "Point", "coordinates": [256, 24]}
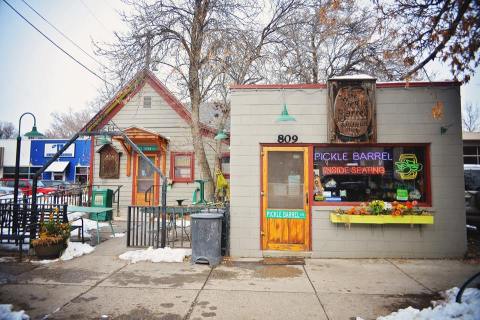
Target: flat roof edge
{"type": "Point", "coordinates": [380, 85]}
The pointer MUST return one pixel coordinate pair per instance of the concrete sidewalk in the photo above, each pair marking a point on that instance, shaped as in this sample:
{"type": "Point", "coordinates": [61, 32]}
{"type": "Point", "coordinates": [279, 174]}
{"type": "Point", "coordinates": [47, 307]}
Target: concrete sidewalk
{"type": "Point", "coordinates": [100, 284]}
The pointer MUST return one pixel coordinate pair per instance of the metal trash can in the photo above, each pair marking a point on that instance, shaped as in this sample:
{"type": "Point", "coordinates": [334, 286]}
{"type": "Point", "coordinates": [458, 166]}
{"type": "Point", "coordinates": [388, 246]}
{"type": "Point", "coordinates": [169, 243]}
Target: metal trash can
{"type": "Point", "coordinates": [206, 237]}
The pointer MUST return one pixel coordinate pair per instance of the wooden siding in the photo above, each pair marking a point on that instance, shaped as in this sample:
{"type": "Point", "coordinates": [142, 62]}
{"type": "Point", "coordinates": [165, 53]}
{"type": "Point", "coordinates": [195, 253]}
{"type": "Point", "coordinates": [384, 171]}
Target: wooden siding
{"type": "Point", "coordinates": [161, 119]}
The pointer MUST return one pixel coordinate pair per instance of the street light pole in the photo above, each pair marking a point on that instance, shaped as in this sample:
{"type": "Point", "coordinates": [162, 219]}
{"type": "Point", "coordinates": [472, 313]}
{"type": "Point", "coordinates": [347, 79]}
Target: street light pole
{"type": "Point", "coordinates": [32, 134]}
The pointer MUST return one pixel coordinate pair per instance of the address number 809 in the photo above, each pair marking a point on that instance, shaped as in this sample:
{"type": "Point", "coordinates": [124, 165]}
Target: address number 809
{"type": "Point", "coordinates": [287, 138]}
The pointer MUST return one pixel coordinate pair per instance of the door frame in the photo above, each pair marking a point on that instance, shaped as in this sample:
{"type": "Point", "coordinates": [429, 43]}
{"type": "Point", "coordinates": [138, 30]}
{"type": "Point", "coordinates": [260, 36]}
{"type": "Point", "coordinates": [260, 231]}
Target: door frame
{"type": "Point", "coordinates": [156, 176]}
{"type": "Point", "coordinates": [309, 187]}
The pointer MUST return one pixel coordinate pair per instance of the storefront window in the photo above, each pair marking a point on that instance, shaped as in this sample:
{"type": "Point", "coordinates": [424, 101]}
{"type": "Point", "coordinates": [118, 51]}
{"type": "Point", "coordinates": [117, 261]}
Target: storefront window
{"type": "Point", "coordinates": [366, 173]}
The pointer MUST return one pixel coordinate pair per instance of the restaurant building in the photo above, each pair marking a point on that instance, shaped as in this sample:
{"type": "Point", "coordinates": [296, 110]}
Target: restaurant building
{"type": "Point", "coordinates": [160, 125]}
{"type": "Point", "coordinates": [300, 152]}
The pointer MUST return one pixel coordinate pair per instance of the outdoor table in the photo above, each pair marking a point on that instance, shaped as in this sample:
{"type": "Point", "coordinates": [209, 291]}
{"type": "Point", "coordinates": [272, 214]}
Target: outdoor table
{"type": "Point", "coordinates": [95, 210]}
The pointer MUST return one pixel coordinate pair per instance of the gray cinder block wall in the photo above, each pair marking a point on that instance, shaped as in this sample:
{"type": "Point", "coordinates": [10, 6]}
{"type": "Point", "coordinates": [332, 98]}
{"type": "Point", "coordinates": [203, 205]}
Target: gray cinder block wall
{"type": "Point", "coordinates": [404, 115]}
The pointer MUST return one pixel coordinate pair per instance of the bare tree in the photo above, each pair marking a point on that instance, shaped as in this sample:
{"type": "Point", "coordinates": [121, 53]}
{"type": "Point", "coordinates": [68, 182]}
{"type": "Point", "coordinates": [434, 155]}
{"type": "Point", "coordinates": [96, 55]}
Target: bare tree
{"type": "Point", "coordinates": [330, 38]}
{"type": "Point", "coordinates": [66, 124]}
{"type": "Point", "coordinates": [425, 30]}
{"type": "Point", "coordinates": [7, 130]}
{"type": "Point", "coordinates": [189, 40]}
{"type": "Point", "coordinates": [471, 118]}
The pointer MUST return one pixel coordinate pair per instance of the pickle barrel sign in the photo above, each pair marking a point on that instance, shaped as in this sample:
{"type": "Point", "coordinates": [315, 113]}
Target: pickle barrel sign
{"type": "Point", "coordinates": [353, 162]}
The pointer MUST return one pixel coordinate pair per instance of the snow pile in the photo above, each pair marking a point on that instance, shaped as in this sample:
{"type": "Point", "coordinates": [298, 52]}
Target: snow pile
{"type": "Point", "coordinates": [117, 235]}
{"type": "Point", "coordinates": [7, 259]}
{"type": "Point", "coordinates": [74, 249]}
{"type": "Point", "coordinates": [6, 313]}
{"type": "Point", "coordinates": [469, 309]}
{"type": "Point", "coordinates": [87, 226]}
{"type": "Point", "coordinates": [156, 255]}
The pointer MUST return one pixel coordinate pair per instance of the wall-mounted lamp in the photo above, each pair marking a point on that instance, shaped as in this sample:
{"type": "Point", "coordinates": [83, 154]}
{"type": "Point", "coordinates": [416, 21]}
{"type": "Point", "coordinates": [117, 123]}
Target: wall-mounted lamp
{"type": "Point", "coordinates": [284, 116]}
{"type": "Point", "coordinates": [221, 135]}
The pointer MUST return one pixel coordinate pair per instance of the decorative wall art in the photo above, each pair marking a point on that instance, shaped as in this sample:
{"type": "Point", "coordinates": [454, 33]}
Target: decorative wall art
{"type": "Point", "coordinates": [351, 111]}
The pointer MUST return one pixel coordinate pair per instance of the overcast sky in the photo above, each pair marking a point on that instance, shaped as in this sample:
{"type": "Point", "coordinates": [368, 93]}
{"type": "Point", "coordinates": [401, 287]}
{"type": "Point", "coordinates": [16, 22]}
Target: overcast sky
{"type": "Point", "coordinates": [35, 76]}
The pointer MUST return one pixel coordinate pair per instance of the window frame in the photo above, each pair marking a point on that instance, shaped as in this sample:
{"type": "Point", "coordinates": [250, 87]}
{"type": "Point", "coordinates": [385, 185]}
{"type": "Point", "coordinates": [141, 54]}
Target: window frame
{"type": "Point", "coordinates": [190, 154]}
{"type": "Point", "coordinates": [149, 104]}
{"type": "Point", "coordinates": [428, 181]}
{"type": "Point", "coordinates": [222, 156]}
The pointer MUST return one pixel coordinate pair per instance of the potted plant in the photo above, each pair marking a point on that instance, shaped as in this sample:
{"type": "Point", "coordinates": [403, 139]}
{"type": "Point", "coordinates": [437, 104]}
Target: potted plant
{"type": "Point", "coordinates": [52, 240]}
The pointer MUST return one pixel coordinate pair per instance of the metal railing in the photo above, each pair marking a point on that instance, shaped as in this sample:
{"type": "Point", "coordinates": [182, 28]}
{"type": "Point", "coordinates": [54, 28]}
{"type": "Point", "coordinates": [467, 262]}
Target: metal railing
{"type": "Point", "coordinates": [144, 226]}
{"type": "Point", "coordinates": [76, 196]}
{"type": "Point", "coordinates": [19, 222]}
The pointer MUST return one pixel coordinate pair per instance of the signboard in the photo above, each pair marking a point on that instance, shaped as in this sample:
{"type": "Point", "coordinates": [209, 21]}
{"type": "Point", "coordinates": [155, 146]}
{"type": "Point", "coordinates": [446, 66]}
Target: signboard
{"type": "Point", "coordinates": [52, 148]}
{"type": "Point", "coordinates": [286, 214]}
{"type": "Point", "coordinates": [407, 166]}
{"type": "Point", "coordinates": [148, 148]}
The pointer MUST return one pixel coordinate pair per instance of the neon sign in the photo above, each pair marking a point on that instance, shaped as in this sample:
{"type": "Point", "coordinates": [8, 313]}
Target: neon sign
{"type": "Point", "coordinates": [407, 166]}
{"type": "Point", "coordinates": [353, 156]}
{"type": "Point", "coordinates": [353, 170]}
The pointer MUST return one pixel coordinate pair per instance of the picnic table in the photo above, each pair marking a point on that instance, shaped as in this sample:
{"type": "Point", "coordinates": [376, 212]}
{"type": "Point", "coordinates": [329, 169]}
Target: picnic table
{"type": "Point", "coordinates": [94, 210]}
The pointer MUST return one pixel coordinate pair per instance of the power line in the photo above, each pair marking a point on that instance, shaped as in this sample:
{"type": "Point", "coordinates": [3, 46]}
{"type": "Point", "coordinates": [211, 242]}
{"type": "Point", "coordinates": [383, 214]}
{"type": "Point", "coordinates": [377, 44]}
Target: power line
{"type": "Point", "coordinates": [93, 15]}
{"type": "Point", "coordinates": [64, 35]}
{"type": "Point", "coordinates": [56, 45]}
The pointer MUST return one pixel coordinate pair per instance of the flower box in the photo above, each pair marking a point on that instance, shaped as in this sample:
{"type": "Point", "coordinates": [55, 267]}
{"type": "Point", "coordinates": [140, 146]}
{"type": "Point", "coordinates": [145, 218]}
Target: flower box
{"type": "Point", "coordinates": [381, 219]}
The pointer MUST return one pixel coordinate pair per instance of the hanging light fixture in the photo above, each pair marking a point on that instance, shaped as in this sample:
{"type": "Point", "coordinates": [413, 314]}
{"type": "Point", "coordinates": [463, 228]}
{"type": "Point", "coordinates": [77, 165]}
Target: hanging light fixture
{"type": "Point", "coordinates": [103, 140]}
{"type": "Point", "coordinates": [221, 135]}
{"type": "Point", "coordinates": [34, 133]}
{"type": "Point", "coordinates": [284, 116]}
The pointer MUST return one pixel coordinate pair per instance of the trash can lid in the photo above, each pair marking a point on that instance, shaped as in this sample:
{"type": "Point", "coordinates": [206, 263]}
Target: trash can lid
{"type": "Point", "coordinates": [206, 216]}
{"type": "Point", "coordinates": [220, 211]}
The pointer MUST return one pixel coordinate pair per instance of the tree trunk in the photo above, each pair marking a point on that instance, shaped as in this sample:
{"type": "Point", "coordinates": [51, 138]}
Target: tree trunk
{"type": "Point", "coordinates": [201, 9]}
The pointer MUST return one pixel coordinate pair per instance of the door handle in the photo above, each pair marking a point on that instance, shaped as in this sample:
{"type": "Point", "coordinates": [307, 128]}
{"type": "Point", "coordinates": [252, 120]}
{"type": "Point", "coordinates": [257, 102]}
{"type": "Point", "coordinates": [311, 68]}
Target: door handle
{"type": "Point", "coordinates": [306, 198]}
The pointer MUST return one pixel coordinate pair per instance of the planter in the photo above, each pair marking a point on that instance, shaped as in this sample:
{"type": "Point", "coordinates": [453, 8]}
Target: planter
{"type": "Point", "coordinates": [381, 219]}
{"type": "Point", "coordinates": [52, 251]}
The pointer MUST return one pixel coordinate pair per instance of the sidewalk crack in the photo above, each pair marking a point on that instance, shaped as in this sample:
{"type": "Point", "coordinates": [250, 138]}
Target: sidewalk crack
{"type": "Point", "coordinates": [409, 276]}
{"type": "Point", "coordinates": [85, 292]}
{"type": "Point", "coordinates": [194, 303]}
{"type": "Point", "coordinates": [316, 293]}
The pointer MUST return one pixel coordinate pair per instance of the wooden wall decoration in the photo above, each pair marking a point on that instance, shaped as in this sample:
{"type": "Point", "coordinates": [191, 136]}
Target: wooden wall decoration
{"type": "Point", "coordinates": [109, 162]}
{"type": "Point", "coordinates": [352, 111]}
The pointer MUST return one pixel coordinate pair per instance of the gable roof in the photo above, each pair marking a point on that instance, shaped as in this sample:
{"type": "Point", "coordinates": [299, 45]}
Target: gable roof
{"type": "Point", "coordinates": [130, 90]}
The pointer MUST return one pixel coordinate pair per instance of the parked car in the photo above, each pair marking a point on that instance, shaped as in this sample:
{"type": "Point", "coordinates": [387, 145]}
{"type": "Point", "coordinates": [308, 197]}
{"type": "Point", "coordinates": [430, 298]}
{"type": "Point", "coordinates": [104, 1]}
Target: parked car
{"type": "Point", "coordinates": [7, 193]}
{"type": "Point", "coordinates": [25, 185]}
{"type": "Point", "coordinates": [57, 184]}
{"type": "Point", "coordinates": [472, 193]}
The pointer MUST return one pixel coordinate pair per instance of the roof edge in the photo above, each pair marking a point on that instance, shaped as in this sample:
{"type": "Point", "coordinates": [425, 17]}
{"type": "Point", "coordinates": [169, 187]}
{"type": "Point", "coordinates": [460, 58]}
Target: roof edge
{"type": "Point", "coordinates": [380, 85]}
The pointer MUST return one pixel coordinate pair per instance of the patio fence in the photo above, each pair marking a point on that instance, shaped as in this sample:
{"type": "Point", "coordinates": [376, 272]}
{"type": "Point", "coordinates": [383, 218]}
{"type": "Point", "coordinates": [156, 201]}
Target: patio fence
{"type": "Point", "coordinates": [19, 223]}
{"type": "Point", "coordinates": [144, 226]}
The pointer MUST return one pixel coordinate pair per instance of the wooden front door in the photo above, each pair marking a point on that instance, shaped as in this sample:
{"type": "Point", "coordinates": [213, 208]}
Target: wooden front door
{"type": "Point", "coordinates": [285, 202]}
{"type": "Point", "coordinates": [146, 181]}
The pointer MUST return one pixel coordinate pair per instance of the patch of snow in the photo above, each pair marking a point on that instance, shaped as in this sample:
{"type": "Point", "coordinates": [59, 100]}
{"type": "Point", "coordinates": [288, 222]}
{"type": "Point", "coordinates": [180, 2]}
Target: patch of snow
{"type": "Point", "coordinates": [7, 259]}
{"type": "Point", "coordinates": [74, 249]}
{"type": "Point", "coordinates": [470, 227]}
{"type": "Point", "coordinates": [6, 313]}
{"type": "Point", "coordinates": [156, 255]}
{"type": "Point", "coordinates": [117, 235]}
{"type": "Point", "coordinates": [444, 309]}
{"type": "Point", "coordinates": [87, 226]}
